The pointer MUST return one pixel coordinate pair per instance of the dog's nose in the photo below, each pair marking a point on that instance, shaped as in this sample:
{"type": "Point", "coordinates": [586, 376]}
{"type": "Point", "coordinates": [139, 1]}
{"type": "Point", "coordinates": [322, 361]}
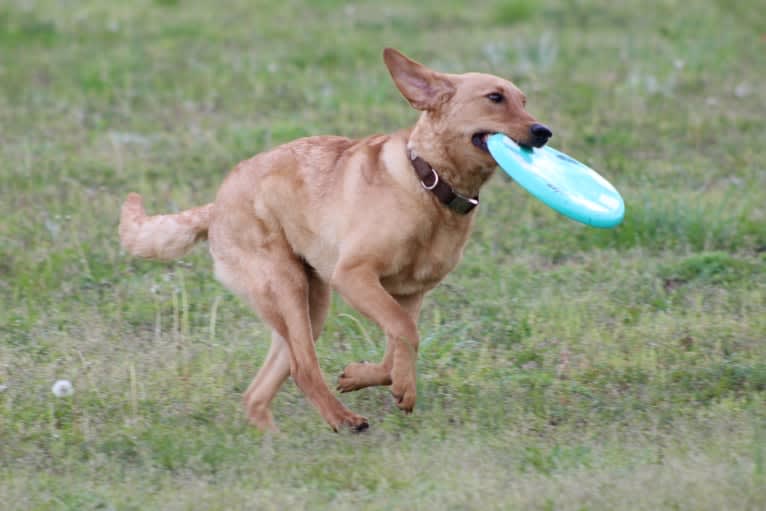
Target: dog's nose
{"type": "Point", "coordinates": [540, 134]}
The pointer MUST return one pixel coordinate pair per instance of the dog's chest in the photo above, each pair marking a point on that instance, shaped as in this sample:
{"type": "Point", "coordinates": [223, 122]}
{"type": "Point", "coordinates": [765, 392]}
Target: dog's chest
{"type": "Point", "coordinates": [424, 262]}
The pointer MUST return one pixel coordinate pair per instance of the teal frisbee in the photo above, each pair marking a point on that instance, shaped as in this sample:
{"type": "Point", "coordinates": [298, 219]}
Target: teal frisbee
{"type": "Point", "coordinates": [560, 182]}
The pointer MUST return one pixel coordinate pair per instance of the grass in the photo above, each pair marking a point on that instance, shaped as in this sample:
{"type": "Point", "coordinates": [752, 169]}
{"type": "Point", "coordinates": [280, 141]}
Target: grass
{"type": "Point", "coordinates": [562, 367]}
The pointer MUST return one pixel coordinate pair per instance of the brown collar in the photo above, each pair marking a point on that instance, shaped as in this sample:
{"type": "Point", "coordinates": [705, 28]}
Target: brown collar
{"type": "Point", "coordinates": [431, 181]}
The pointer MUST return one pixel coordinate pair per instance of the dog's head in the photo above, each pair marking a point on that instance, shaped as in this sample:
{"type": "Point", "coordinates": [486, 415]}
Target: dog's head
{"type": "Point", "coordinates": [460, 111]}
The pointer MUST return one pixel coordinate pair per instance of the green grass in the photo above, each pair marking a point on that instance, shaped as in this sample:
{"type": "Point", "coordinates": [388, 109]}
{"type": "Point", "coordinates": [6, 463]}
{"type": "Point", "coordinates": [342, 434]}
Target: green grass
{"type": "Point", "coordinates": [562, 367]}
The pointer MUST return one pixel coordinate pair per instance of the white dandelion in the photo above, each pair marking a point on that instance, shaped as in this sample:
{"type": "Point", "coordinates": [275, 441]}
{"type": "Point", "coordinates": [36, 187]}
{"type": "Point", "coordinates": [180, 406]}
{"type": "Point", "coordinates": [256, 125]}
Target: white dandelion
{"type": "Point", "coordinates": [62, 388]}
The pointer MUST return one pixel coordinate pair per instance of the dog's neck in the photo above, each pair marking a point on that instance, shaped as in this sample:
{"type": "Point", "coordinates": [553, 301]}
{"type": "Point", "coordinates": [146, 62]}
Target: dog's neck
{"type": "Point", "coordinates": [466, 175]}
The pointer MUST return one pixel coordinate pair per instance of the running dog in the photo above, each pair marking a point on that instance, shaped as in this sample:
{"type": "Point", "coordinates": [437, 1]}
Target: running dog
{"type": "Point", "coordinates": [381, 220]}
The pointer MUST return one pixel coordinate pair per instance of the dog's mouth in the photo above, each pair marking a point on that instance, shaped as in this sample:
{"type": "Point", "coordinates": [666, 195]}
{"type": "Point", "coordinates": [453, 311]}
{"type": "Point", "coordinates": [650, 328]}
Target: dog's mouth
{"type": "Point", "coordinates": [479, 139]}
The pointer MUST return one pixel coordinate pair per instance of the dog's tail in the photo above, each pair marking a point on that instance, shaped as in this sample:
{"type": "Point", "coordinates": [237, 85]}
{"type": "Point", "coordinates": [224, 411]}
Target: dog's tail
{"type": "Point", "coordinates": [163, 237]}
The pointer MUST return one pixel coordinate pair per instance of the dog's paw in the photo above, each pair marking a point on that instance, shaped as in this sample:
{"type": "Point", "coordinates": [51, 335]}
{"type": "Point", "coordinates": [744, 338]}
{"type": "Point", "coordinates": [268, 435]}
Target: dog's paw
{"type": "Point", "coordinates": [404, 395]}
{"type": "Point", "coordinates": [403, 387]}
{"type": "Point", "coordinates": [350, 422]}
{"type": "Point", "coordinates": [349, 380]}
{"type": "Point", "coordinates": [359, 375]}
{"type": "Point", "coordinates": [358, 425]}
{"type": "Point", "coordinates": [263, 420]}
{"type": "Point", "coordinates": [347, 383]}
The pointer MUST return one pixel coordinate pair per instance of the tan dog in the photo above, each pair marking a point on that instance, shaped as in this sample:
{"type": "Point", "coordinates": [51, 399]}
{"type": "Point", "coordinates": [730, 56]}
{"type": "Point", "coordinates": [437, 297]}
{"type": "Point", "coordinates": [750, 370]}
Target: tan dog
{"type": "Point", "coordinates": [368, 218]}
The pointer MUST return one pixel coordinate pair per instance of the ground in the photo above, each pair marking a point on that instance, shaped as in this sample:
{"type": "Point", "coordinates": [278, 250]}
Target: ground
{"type": "Point", "coordinates": [562, 367]}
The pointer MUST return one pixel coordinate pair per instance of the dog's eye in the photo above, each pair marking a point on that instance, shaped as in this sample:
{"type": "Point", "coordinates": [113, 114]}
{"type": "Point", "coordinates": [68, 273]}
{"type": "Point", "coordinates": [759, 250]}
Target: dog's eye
{"type": "Point", "coordinates": [496, 97]}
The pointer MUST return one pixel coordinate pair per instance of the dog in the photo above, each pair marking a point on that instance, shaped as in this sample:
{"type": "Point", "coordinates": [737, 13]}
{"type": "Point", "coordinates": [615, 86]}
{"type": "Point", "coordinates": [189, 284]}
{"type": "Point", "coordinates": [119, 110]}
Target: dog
{"type": "Point", "coordinates": [381, 220]}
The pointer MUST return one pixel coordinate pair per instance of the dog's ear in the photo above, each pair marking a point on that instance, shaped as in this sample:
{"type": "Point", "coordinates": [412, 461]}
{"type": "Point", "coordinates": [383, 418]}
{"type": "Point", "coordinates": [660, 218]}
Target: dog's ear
{"type": "Point", "coordinates": [424, 88]}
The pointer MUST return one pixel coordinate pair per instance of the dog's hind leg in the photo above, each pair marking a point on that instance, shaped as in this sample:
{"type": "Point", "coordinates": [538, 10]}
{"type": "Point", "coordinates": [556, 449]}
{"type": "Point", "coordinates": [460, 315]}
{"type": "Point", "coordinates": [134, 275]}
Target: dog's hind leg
{"type": "Point", "coordinates": [276, 367]}
{"type": "Point", "coordinates": [279, 290]}
{"type": "Point", "coordinates": [266, 384]}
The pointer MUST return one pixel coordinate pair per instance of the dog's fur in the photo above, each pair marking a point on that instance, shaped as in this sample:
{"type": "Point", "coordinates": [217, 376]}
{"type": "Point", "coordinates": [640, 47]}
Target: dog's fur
{"type": "Point", "coordinates": [328, 212]}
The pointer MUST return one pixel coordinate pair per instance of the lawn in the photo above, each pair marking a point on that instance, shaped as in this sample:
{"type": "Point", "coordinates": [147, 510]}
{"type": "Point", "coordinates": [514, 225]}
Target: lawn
{"type": "Point", "coordinates": [561, 367]}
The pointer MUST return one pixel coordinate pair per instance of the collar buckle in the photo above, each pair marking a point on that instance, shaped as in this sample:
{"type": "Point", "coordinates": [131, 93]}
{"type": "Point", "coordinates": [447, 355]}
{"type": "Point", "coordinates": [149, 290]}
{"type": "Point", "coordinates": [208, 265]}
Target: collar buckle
{"type": "Point", "coordinates": [462, 204]}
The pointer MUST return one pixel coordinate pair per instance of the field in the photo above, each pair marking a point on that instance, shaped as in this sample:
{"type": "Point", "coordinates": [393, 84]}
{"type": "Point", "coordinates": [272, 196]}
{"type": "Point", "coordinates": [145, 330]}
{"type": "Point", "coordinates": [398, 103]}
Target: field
{"type": "Point", "coordinates": [561, 368]}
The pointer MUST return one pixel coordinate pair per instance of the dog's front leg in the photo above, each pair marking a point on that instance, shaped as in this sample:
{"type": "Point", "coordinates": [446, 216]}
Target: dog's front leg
{"type": "Point", "coordinates": [360, 286]}
{"type": "Point", "coordinates": [358, 375]}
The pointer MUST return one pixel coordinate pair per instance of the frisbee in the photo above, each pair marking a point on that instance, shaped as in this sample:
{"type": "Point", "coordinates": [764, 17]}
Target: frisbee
{"type": "Point", "coordinates": [560, 182]}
